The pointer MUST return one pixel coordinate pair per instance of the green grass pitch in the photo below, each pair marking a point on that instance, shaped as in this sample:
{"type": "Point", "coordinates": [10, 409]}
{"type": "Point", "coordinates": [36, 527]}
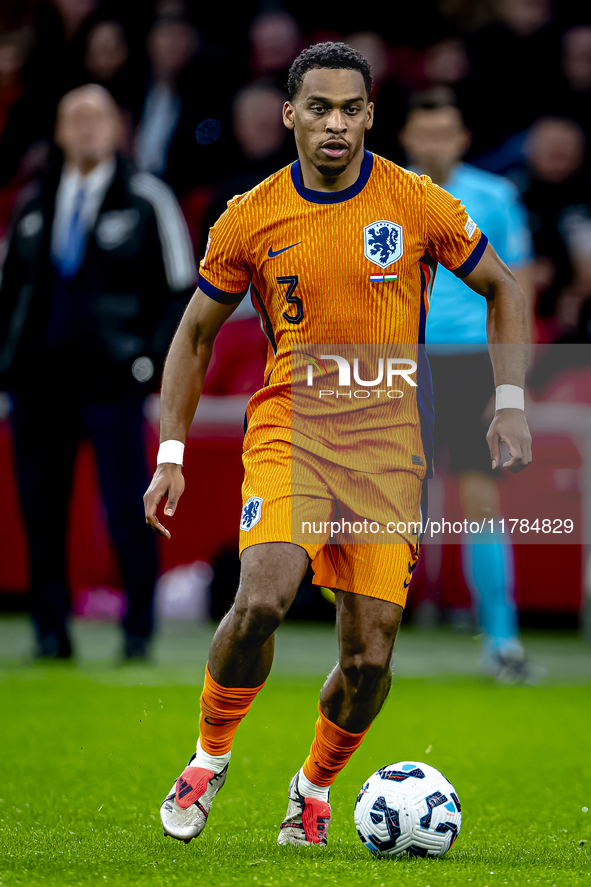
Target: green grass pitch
{"type": "Point", "coordinates": [86, 761]}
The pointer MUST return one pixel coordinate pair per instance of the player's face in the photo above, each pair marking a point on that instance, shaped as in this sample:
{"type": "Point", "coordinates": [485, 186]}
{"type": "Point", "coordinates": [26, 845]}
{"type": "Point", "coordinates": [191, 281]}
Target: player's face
{"type": "Point", "coordinates": [329, 116]}
{"type": "Point", "coordinates": [435, 137]}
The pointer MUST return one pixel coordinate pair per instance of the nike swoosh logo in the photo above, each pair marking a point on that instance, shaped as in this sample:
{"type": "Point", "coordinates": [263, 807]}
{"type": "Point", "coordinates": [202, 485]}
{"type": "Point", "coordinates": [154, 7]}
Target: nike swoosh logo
{"type": "Point", "coordinates": [220, 723]}
{"type": "Point", "coordinates": [273, 253]}
{"type": "Point", "coordinates": [406, 584]}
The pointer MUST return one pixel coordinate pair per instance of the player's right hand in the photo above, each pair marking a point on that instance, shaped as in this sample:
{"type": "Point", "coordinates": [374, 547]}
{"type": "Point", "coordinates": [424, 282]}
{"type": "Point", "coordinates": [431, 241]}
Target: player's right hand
{"type": "Point", "coordinates": [168, 481]}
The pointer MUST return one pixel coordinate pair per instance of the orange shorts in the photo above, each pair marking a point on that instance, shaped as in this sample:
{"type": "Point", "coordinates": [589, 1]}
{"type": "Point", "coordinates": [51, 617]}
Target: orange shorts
{"type": "Point", "coordinates": [361, 531]}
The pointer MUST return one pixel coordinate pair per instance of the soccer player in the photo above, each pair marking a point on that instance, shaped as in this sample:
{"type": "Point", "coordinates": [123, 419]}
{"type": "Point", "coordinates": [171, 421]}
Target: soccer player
{"type": "Point", "coordinates": [435, 139]}
{"type": "Point", "coordinates": [339, 247]}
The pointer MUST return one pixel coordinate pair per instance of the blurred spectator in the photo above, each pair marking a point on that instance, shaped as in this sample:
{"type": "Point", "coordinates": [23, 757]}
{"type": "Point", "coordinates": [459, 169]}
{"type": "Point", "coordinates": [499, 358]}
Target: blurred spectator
{"type": "Point", "coordinates": [13, 14]}
{"type": "Point", "coordinates": [261, 144]}
{"type": "Point", "coordinates": [257, 124]}
{"type": "Point", "coordinates": [170, 8]}
{"type": "Point", "coordinates": [74, 14]}
{"type": "Point", "coordinates": [576, 58]}
{"type": "Point", "coordinates": [572, 95]}
{"type": "Point", "coordinates": [23, 118]}
{"type": "Point", "coordinates": [13, 52]}
{"type": "Point", "coordinates": [435, 139]}
{"type": "Point", "coordinates": [525, 17]}
{"type": "Point", "coordinates": [375, 49]}
{"type": "Point", "coordinates": [98, 271]}
{"type": "Point", "coordinates": [557, 186]}
{"type": "Point", "coordinates": [466, 16]}
{"type": "Point", "coordinates": [107, 63]}
{"type": "Point", "coordinates": [571, 308]}
{"type": "Point", "coordinates": [275, 40]}
{"type": "Point", "coordinates": [555, 150]}
{"type": "Point", "coordinates": [183, 89]}
{"type": "Point", "coordinates": [446, 62]}
{"type": "Point", "coordinates": [56, 63]}
{"type": "Point", "coordinates": [171, 46]}
{"type": "Point", "coordinates": [12, 58]}
{"type": "Point", "coordinates": [387, 94]}
{"type": "Point", "coordinates": [107, 51]}
{"type": "Point", "coordinates": [514, 68]}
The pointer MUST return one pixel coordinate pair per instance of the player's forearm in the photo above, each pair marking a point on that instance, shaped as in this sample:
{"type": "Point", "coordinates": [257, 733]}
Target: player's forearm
{"type": "Point", "coordinates": [183, 378]}
{"type": "Point", "coordinates": [187, 362]}
{"type": "Point", "coordinates": [508, 333]}
{"type": "Point", "coordinates": [524, 277]}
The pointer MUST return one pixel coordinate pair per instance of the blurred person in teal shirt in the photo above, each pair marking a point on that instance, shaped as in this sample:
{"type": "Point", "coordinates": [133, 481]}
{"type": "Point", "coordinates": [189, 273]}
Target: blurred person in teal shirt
{"type": "Point", "coordinates": [435, 139]}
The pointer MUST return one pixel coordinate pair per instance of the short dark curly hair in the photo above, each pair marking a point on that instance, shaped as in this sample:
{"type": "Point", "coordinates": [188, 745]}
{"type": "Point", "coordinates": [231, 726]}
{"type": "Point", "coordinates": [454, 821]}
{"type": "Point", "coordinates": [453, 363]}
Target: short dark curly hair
{"type": "Point", "coordinates": [327, 55]}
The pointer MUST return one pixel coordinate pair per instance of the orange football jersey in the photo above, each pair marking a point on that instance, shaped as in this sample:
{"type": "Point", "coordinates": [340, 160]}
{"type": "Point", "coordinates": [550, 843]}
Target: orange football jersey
{"type": "Point", "coordinates": [351, 267]}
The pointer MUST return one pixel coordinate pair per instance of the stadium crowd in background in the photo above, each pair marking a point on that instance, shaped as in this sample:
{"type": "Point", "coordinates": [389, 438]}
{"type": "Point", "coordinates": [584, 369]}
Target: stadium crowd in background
{"type": "Point", "coordinates": [200, 107]}
{"type": "Point", "coordinates": [521, 70]}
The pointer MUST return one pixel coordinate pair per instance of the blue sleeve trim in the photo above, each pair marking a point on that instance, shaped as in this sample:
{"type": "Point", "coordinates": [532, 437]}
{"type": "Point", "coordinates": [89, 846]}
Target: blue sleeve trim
{"type": "Point", "coordinates": [473, 259]}
{"type": "Point", "coordinates": [219, 295]}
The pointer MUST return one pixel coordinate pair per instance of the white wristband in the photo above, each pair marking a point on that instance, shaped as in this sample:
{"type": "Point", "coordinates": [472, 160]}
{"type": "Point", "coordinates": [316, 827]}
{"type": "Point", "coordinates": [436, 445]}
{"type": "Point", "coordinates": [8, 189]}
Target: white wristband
{"type": "Point", "coordinates": [170, 451]}
{"type": "Point", "coordinates": [509, 397]}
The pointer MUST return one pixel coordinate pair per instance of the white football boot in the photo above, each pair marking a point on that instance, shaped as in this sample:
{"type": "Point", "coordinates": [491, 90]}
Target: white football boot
{"type": "Point", "coordinates": [306, 820]}
{"type": "Point", "coordinates": [185, 810]}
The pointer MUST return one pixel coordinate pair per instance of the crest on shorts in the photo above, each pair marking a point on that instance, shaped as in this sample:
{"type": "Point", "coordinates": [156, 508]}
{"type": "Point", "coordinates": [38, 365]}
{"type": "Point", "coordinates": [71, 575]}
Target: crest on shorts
{"type": "Point", "coordinates": [382, 242]}
{"type": "Point", "coordinates": [251, 513]}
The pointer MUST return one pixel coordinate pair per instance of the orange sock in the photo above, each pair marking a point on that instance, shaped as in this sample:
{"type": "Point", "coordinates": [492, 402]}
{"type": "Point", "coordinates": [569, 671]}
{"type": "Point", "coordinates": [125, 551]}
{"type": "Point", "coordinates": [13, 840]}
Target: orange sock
{"type": "Point", "coordinates": [331, 749]}
{"type": "Point", "coordinates": [222, 709]}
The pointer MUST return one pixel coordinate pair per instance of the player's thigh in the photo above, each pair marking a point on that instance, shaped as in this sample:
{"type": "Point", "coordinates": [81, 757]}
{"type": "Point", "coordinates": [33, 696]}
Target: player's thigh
{"type": "Point", "coordinates": [379, 562]}
{"type": "Point", "coordinates": [270, 574]}
{"type": "Point", "coordinates": [273, 561]}
{"type": "Point", "coordinates": [273, 503]}
{"type": "Point", "coordinates": [366, 628]}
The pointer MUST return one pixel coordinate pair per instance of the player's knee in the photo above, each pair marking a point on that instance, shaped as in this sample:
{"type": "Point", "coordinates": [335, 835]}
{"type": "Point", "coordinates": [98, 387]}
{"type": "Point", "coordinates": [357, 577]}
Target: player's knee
{"type": "Point", "coordinates": [258, 617]}
{"type": "Point", "coordinates": [365, 674]}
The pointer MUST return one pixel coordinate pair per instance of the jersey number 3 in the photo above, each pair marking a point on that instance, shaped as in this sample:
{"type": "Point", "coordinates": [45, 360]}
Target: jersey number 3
{"type": "Point", "coordinates": [292, 283]}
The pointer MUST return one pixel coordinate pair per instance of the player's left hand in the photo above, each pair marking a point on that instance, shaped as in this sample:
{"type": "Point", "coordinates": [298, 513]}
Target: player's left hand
{"type": "Point", "coordinates": [510, 426]}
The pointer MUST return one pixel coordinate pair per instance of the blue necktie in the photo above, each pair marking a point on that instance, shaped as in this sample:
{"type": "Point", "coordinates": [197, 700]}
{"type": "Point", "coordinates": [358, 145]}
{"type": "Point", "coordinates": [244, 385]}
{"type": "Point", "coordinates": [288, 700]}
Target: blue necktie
{"type": "Point", "coordinates": [72, 244]}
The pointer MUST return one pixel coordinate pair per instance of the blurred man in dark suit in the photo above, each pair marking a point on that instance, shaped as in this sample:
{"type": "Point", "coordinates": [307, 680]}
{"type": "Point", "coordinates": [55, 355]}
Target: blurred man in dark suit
{"type": "Point", "coordinates": [98, 271]}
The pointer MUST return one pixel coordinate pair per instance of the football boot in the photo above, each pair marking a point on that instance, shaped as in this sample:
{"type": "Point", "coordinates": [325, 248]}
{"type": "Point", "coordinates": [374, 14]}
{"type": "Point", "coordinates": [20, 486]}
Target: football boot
{"type": "Point", "coordinates": [306, 820]}
{"type": "Point", "coordinates": [185, 809]}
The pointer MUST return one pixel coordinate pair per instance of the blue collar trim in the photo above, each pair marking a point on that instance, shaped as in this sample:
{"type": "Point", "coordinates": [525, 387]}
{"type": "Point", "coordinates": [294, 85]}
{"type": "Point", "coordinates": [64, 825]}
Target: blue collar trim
{"type": "Point", "coordinates": [333, 196]}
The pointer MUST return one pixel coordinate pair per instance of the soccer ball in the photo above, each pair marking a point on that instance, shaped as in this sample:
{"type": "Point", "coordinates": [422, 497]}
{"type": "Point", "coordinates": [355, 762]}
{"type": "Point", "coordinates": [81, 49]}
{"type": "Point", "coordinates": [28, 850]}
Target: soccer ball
{"type": "Point", "coordinates": [408, 808]}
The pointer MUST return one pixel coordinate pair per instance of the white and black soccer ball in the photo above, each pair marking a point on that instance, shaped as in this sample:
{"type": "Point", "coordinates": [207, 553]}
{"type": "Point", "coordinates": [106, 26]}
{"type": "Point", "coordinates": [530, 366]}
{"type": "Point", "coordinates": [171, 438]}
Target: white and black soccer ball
{"type": "Point", "coordinates": [408, 808]}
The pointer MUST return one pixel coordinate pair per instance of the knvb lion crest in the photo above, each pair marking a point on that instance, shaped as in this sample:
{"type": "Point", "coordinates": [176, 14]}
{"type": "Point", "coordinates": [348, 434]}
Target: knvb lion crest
{"type": "Point", "coordinates": [251, 513]}
{"type": "Point", "coordinates": [383, 242]}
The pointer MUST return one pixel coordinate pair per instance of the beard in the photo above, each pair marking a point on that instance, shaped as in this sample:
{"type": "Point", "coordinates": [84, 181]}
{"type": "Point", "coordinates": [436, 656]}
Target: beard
{"type": "Point", "coordinates": [331, 171]}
